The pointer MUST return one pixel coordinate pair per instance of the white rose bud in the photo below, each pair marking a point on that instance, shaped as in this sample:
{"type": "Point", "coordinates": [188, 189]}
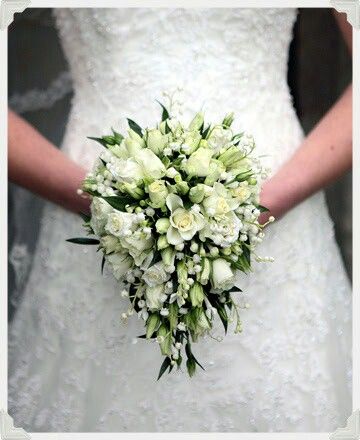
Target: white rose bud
{"type": "Point", "coordinates": [198, 163]}
{"type": "Point", "coordinates": [222, 276]}
{"type": "Point", "coordinates": [158, 193]}
{"type": "Point", "coordinates": [197, 193]}
{"type": "Point", "coordinates": [110, 244]}
{"type": "Point", "coordinates": [162, 225]}
{"type": "Point", "coordinates": [156, 141]}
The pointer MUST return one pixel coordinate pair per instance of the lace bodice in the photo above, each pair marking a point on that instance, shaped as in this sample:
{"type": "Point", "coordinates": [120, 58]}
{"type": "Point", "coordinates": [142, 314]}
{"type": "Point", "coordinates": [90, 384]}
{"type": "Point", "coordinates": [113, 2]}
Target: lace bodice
{"type": "Point", "coordinates": [225, 59]}
{"type": "Point", "coordinates": [73, 365]}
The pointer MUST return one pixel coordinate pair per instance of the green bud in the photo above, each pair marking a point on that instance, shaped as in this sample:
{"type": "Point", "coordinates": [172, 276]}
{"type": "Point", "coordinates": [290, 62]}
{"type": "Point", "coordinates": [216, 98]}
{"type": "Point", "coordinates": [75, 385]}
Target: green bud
{"type": "Point", "coordinates": [197, 122]}
{"type": "Point", "coordinates": [168, 256]}
{"type": "Point", "coordinates": [231, 156]}
{"type": "Point", "coordinates": [182, 272]}
{"type": "Point", "coordinates": [182, 188]}
{"type": "Point", "coordinates": [133, 190]}
{"type": "Point", "coordinates": [197, 193]}
{"type": "Point", "coordinates": [162, 225]}
{"type": "Point", "coordinates": [215, 170]}
{"type": "Point", "coordinates": [226, 251]}
{"type": "Point", "coordinates": [192, 140]}
{"type": "Point", "coordinates": [173, 315]}
{"type": "Point", "coordinates": [196, 294]}
{"type": "Point", "coordinates": [152, 324]}
{"type": "Point", "coordinates": [162, 242]}
{"type": "Point", "coordinates": [178, 178]}
{"type": "Point", "coordinates": [202, 251]}
{"type": "Point", "coordinates": [252, 181]}
{"type": "Point", "coordinates": [156, 141]}
{"type": "Point", "coordinates": [205, 271]}
{"type": "Point", "coordinates": [165, 346]}
{"type": "Point", "coordinates": [158, 192]}
{"type": "Point", "coordinates": [228, 120]}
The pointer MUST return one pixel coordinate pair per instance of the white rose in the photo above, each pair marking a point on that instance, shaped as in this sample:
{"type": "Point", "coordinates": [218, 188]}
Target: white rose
{"type": "Point", "coordinates": [222, 276]}
{"type": "Point", "coordinates": [120, 223]}
{"type": "Point", "coordinates": [120, 263]}
{"type": "Point", "coordinates": [157, 192]}
{"type": "Point", "coordinates": [151, 165]}
{"type": "Point", "coordinates": [138, 247]}
{"type": "Point", "coordinates": [198, 163]}
{"type": "Point", "coordinates": [184, 224]}
{"type": "Point", "coordinates": [153, 297]}
{"type": "Point", "coordinates": [223, 230]}
{"type": "Point", "coordinates": [156, 275]}
{"type": "Point", "coordinates": [110, 244]}
{"type": "Point", "coordinates": [100, 210]}
{"type": "Point", "coordinates": [128, 170]}
{"type": "Point", "coordinates": [241, 193]}
{"type": "Point", "coordinates": [220, 201]}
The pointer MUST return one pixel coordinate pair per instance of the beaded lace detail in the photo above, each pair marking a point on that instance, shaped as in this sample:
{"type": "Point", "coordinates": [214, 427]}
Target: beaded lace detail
{"type": "Point", "coordinates": [73, 365]}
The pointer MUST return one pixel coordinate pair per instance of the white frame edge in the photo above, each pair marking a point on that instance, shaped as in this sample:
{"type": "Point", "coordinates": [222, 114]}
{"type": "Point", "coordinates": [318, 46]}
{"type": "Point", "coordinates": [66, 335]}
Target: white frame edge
{"type": "Point", "coordinates": [8, 8]}
{"type": "Point", "coordinates": [351, 8]}
{"type": "Point", "coordinates": [352, 429]}
{"type": "Point", "coordinates": [7, 429]}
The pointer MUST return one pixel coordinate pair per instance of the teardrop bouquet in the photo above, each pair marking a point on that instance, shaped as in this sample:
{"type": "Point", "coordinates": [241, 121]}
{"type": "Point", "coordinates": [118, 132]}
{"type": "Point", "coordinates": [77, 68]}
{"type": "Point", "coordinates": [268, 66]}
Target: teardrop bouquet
{"type": "Point", "coordinates": [175, 213]}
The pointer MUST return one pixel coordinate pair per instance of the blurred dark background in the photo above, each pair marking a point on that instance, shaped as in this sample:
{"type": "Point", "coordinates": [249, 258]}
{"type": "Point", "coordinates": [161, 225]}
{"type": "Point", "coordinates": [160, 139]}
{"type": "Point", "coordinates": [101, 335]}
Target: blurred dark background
{"type": "Point", "coordinates": [40, 90]}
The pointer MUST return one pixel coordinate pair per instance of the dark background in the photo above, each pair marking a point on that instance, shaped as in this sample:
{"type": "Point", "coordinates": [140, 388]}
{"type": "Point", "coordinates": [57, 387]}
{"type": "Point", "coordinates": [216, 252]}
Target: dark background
{"type": "Point", "coordinates": [319, 70]}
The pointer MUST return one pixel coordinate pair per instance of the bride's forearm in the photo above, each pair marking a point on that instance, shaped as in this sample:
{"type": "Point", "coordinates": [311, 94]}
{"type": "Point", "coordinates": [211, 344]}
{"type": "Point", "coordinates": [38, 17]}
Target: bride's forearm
{"type": "Point", "coordinates": [37, 165]}
{"type": "Point", "coordinates": [324, 156]}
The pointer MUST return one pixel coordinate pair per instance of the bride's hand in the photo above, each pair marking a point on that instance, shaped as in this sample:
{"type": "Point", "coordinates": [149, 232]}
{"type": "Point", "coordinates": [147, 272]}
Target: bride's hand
{"type": "Point", "coordinates": [39, 166]}
{"type": "Point", "coordinates": [324, 156]}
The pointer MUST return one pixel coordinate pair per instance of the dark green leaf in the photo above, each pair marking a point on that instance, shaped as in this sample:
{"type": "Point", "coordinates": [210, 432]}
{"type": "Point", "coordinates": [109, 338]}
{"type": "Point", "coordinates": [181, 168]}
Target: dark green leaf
{"type": "Point", "coordinates": [83, 240]}
{"type": "Point", "coordinates": [234, 289]}
{"type": "Point", "coordinates": [102, 264]}
{"type": "Point", "coordinates": [167, 128]}
{"type": "Point", "coordinates": [165, 114]}
{"type": "Point", "coordinates": [223, 316]}
{"type": "Point", "coordinates": [135, 127]}
{"type": "Point", "coordinates": [262, 208]}
{"type": "Point", "coordinates": [118, 137]}
{"type": "Point", "coordinates": [206, 132]}
{"type": "Point", "coordinates": [164, 366]}
{"type": "Point", "coordinates": [118, 202]}
{"type": "Point", "coordinates": [191, 367]}
{"type": "Point", "coordinates": [156, 258]}
{"type": "Point", "coordinates": [101, 141]}
{"type": "Point", "coordinates": [85, 217]}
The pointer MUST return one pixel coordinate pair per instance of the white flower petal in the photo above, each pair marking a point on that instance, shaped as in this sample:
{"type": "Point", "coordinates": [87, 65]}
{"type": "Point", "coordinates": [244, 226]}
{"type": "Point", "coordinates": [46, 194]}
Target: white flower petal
{"type": "Point", "coordinates": [173, 236]}
{"type": "Point", "coordinates": [174, 202]}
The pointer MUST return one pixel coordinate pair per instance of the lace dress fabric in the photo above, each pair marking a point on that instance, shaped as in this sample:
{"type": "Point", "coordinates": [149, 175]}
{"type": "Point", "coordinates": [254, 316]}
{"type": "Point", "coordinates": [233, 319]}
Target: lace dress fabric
{"type": "Point", "coordinates": [73, 365]}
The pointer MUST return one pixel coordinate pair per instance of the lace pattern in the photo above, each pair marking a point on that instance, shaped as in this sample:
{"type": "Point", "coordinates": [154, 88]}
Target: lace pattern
{"type": "Point", "coordinates": [72, 363]}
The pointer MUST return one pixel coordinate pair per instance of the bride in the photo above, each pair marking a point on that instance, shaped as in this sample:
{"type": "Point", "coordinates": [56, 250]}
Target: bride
{"type": "Point", "coordinates": [73, 365]}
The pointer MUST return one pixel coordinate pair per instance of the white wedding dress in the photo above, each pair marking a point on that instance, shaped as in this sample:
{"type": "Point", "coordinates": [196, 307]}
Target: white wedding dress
{"type": "Point", "coordinates": [73, 365]}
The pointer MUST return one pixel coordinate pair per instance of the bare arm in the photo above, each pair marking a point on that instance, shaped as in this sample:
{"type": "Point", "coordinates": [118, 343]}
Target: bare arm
{"type": "Point", "coordinates": [324, 156]}
{"type": "Point", "coordinates": [39, 166]}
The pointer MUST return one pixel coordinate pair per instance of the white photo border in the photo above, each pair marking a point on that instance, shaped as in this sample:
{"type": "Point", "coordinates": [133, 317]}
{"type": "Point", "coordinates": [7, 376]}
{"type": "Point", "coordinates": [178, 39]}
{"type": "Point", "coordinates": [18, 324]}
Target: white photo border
{"type": "Point", "coordinates": [7, 9]}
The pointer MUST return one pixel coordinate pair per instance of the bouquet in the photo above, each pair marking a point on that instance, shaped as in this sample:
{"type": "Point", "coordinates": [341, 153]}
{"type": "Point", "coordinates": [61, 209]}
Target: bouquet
{"type": "Point", "coordinates": [175, 213]}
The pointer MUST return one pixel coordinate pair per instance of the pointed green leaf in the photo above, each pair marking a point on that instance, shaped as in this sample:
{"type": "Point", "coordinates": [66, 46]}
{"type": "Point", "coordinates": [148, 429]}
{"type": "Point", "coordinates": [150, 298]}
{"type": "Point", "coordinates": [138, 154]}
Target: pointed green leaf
{"type": "Point", "coordinates": [164, 366]}
{"type": "Point", "coordinates": [118, 202]}
{"type": "Point", "coordinates": [135, 127]}
{"type": "Point", "coordinates": [101, 141]}
{"type": "Point", "coordinates": [165, 113]}
{"type": "Point", "coordinates": [83, 240]}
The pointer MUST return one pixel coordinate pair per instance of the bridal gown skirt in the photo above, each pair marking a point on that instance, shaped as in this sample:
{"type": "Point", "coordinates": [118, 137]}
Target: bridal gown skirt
{"type": "Point", "coordinates": [75, 366]}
